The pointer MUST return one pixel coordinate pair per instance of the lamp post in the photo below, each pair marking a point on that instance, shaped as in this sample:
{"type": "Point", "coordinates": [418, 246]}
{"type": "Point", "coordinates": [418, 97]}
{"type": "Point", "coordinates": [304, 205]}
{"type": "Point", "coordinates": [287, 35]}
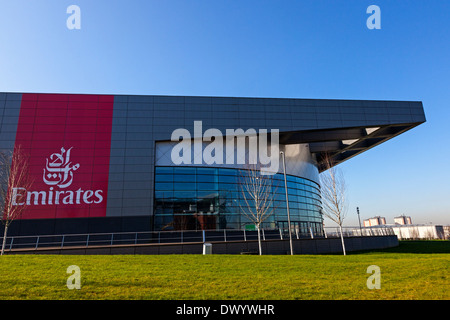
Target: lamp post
{"type": "Point", "coordinates": [287, 203]}
{"type": "Point", "coordinates": [360, 229]}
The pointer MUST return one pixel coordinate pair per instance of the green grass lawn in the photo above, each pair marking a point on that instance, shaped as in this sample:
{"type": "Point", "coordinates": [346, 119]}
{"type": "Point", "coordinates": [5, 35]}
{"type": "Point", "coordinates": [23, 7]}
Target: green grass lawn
{"type": "Point", "coordinates": [410, 271]}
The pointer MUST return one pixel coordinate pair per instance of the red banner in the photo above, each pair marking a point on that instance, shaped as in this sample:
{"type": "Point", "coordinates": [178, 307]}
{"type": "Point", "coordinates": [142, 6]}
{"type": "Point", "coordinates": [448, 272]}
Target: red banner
{"type": "Point", "coordinates": [68, 141]}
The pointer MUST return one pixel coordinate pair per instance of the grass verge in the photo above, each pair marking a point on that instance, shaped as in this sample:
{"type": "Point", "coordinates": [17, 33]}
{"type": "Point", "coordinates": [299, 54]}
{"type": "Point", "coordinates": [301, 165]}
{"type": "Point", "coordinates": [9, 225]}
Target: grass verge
{"type": "Point", "coordinates": [410, 271]}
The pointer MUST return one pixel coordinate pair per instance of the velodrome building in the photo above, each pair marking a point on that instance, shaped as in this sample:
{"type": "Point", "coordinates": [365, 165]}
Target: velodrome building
{"type": "Point", "coordinates": [105, 163]}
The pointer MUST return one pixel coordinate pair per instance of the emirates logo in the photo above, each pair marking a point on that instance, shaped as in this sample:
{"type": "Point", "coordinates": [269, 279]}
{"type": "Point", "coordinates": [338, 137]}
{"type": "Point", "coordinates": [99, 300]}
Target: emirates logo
{"type": "Point", "coordinates": [59, 170]}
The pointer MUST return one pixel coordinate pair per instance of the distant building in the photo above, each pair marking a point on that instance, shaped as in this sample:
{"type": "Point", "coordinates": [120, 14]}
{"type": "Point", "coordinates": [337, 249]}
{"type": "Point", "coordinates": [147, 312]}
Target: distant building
{"type": "Point", "coordinates": [375, 221]}
{"type": "Point", "coordinates": [402, 220]}
{"type": "Point", "coordinates": [412, 232]}
{"type": "Point", "coordinates": [447, 232]}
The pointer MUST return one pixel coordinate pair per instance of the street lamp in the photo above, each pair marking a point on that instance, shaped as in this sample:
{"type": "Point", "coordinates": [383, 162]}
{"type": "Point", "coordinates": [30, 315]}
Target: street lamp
{"type": "Point", "coordinates": [287, 203]}
{"type": "Point", "coordinates": [360, 229]}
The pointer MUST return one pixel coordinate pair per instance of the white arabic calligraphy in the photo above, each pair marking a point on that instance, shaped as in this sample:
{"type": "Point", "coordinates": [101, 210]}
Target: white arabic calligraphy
{"type": "Point", "coordinates": [59, 171]}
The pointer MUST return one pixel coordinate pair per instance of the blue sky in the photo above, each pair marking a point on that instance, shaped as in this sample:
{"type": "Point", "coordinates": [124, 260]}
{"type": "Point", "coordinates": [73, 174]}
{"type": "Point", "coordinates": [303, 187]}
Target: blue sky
{"type": "Point", "coordinates": [287, 49]}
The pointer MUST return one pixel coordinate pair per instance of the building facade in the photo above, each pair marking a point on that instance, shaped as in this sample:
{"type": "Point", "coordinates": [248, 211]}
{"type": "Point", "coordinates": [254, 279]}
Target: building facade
{"type": "Point", "coordinates": [375, 221]}
{"type": "Point", "coordinates": [402, 220]}
{"type": "Point", "coordinates": [104, 163]}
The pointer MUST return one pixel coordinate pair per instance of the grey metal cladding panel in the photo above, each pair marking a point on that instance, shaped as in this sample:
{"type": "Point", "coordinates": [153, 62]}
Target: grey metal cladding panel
{"type": "Point", "coordinates": [379, 110]}
{"type": "Point", "coordinates": [139, 152]}
{"type": "Point", "coordinates": [13, 96]}
{"type": "Point", "coordinates": [198, 100]}
{"type": "Point", "coordinates": [303, 109]}
{"type": "Point", "coordinates": [11, 112]}
{"type": "Point", "coordinates": [118, 136]}
{"type": "Point", "coordinates": [256, 124]}
{"type": "Point", "coordinates": [120, 113]}
{"type": "Point", "coordinates": [169, 99]}
{"type": "Point", "coordinates": [283, 102]}
{"type": "Point", "coordinates": [139, 136]}
{"type": "Point", "coordinates": [113, 211]}
{"type": "Point", "coordinates": [418, 118]}
{"type": "Point", "coordinates": [114, 202]}
{"type": "Point", "coordinates": [139, 144]}
{"type": "Point", "coordinates": [120, 99]}
{"type": "Point", "coordinates": [6, 144]}
{"type": "Point", "coordinates": [167, 108]}
{"type": "Point", "coordinates": [138, 176]}
{"type": "Point", "coordinates": [141, 99]}
{"type": "Point", "coordinates": [137, 211]}
{"type": "Point", "coordinates": [8, 136]}
{"type": "Point", "coordinates": [116, 176]}
{"type": "Point", "coordinates": [118, 144]}
{"type": "Point", "coordinates": [216, 101]}
{"type": "Point", "coordinates": [331, 123]}
{"type": "Point", "coordinates": [140, 113]}
{"type": "Point", "coordinates": [138, 186]}
{"type": "Point", "coordinates": [130, 160]}
{"type": "Point", "coordinates": [115, 194]}
{"type": "Point", "coordinates": [254, 108]}
{"type": "Point", "coordinates": [113, 160]}
{"type": "Point", "coordinates": [133, 106]}
{"type": "Point", "coordinates": [249, 101]}
{"type": "Point", "coordinates": [138, 168]}
{"type": "Point", "coordinates": [403, 118]}
{"type": "Point", "coordinates": [373, 118]}
{"type": "Point", "coordinates": [142, 202]}
{"type": "Point", "coordinates": [399, 110]}
{"type": "Point", "coordinates": [225, 108]}
{"type": "Point", "coordinates": [302, 116]}
{"type": "Point", "coordinates": [304, 124]}
{"type": "Point", "coordinates": [334, 116]}
{"type": "Point", "coordinates": [143, 196]}
{"type": "Point", "coordinates": [2, 96]}
{"type": "Point", "coordinates": [13, 104]}
{"type": "Point", "coordinates": [9, 118]}
{"type": "Point", "coordinates": [139, 121]}
{"type": "Point", "coordinates": [145, 129]}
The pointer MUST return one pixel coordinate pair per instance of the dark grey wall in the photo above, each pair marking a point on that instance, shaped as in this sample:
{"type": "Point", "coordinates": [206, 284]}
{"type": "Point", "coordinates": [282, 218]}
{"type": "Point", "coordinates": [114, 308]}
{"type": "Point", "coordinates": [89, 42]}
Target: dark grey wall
{"type": "Point", "coordinates": [273, 247]}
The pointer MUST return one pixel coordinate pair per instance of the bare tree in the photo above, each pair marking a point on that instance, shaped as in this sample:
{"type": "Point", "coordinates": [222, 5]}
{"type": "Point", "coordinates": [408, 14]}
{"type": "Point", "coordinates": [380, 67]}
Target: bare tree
{"type": "Point", "coordinates": [257, 192]}
{"type": "Point", "coordinates": [14, 173]}
{"type": "Point", "coordinates": [333, 190]}
{"type": "Point", "coordinates": [414, 233]}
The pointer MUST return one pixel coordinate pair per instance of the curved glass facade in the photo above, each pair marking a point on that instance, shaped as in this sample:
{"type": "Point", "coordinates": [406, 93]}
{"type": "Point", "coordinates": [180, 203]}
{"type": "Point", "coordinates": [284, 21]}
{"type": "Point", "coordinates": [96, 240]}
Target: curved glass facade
{"type": "Point", "coordinates": [195, 198]}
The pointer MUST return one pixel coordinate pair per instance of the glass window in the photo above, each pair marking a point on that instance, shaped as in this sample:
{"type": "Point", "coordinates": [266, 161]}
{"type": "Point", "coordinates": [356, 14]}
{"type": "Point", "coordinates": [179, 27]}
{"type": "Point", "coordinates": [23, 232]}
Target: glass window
{"type": "Point", "coordinates": [163, 178]}
{"type": "Point", "coordinates": [163, 194]}
{"type": "Point", "coordinates": [183, 186]}
{"type": "Point", "coordinates": [207, 186]}
{"type": "Point", "coordinates": [185, 194]}
{"type": "Point", "coordinates": [208, 171]}
{"type": "Point", "coordinates": [207, 194]}
{"type": "Point", "coordinates": [184, 170]}
{"type": "Point", "coordinates": [227, 186]}
{"type": "Point", "coordinates": [227, 172]}
{"type": "Point", "coordinates": [163, 186]}
{"type": "Point", "coordinates": [164, 170]}
{"type": "Point", "coordinates": [197, 189]}
{"type": "Point", "coordinates": [206, 178]}
{"type": "Point", "coordinates": [184, 178]}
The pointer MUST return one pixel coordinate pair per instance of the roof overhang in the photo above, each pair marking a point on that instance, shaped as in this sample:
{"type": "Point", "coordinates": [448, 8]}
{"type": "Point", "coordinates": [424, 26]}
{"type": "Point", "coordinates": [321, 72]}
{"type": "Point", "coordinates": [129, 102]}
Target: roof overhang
{"type": "Point", "coordinates": [343, 143]}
